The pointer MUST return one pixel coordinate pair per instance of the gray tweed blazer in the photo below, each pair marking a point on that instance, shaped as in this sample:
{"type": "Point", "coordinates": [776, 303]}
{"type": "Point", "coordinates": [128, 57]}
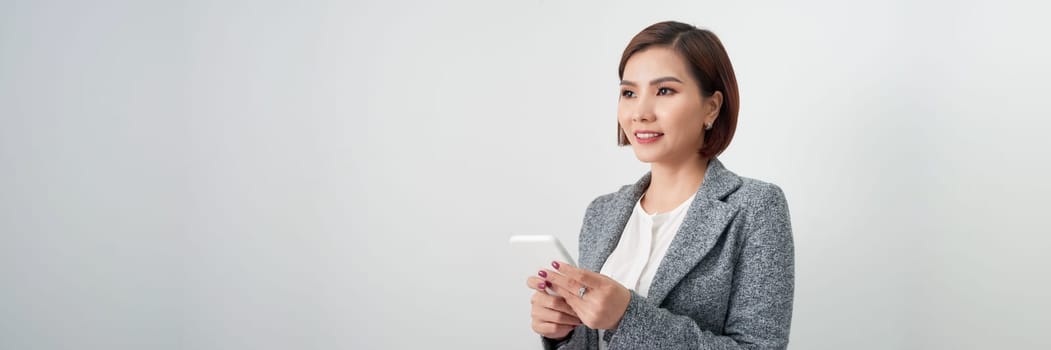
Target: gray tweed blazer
{"type": "Point", "coordinates": [726, 282]}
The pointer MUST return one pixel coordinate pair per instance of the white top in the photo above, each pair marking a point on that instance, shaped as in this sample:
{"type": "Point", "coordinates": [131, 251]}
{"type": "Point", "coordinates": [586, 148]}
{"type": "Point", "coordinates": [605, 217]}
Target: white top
{"type": "Point", "coordinates": [642, 246]}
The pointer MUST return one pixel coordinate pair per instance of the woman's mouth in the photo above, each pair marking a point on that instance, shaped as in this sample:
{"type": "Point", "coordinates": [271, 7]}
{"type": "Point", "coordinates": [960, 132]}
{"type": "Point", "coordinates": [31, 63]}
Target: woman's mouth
{"type": "Point", "coordinates": [646, 136]}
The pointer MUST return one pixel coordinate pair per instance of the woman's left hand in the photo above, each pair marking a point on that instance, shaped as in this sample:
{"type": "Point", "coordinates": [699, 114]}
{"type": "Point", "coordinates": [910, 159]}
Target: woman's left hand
{"type": "Point", "coordinates": [604, 301]}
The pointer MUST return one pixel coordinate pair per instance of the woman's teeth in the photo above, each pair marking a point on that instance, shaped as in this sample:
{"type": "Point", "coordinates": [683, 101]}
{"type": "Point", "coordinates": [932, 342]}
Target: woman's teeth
{"type": "Point", "coordinates": [647, 135]}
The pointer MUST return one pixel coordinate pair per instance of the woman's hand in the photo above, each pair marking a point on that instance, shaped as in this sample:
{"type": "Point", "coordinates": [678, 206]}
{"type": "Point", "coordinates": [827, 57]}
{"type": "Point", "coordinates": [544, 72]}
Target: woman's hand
{"type": "Point", "coordinates": [552, 317]}
{"type": "Point", "coordinates": [604, 301]}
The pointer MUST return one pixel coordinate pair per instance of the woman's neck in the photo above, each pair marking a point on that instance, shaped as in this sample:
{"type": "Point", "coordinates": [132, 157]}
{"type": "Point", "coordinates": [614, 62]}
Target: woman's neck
{"type": "Point", "coordinates": [671, 184]}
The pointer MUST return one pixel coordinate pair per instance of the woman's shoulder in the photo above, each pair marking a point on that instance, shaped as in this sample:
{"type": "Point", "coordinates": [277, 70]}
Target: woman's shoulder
{"type": "Point", "coordinates": [754, 191]}
{"type": "Point", "coordinates": [761, 203]}
{"type": "Point", "coordinates": [745, 192]}
{"type": "Point", "coordinates": [607, 199]}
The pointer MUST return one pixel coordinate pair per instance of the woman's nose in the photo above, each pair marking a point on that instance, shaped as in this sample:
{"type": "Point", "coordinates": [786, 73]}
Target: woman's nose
{"type": "Point", "coordinates": [640, 117]}
{"type": "Point", "coordinates": [643, 110]}
{"type": "Point", "coordinates": [643, 115]}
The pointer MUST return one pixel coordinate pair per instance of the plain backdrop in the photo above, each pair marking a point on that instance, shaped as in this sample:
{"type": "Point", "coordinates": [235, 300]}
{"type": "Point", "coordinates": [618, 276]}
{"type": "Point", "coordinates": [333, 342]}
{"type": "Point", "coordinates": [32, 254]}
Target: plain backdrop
{"type": "Point", "coordinates": [345, 175]}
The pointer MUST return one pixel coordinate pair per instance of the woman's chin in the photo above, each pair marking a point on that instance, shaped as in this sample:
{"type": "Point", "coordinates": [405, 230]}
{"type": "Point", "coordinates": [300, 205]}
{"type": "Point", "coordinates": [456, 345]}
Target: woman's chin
{"type": "Point", "coordinates": [646, 157]}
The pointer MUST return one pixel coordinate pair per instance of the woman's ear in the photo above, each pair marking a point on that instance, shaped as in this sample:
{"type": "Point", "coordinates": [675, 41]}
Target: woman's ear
{"type": "Point", "coordinates": [713, 104]}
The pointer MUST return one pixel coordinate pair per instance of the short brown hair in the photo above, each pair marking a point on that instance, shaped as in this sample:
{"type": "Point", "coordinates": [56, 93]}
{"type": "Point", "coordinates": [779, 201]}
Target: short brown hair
{"type": "Point", "coordinates": [710, 66]}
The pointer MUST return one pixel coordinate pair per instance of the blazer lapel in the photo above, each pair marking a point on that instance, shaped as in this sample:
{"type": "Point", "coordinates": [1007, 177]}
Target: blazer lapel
{"type": "Point", "coordinates": [705, 222]}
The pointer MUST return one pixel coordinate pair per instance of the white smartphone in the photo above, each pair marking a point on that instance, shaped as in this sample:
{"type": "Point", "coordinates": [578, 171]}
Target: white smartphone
{"type": "Point", "coordinates": [533, 253]}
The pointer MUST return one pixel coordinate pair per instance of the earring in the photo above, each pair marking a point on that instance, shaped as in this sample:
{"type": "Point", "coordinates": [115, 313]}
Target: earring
{"type": "Point", "coordinates": [707, 126]}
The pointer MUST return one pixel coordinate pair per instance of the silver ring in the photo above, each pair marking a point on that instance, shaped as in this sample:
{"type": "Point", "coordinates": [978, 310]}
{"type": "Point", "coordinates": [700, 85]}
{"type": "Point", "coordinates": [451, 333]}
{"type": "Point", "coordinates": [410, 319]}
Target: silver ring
{"type": "Point", "coordinates": [581, 291]}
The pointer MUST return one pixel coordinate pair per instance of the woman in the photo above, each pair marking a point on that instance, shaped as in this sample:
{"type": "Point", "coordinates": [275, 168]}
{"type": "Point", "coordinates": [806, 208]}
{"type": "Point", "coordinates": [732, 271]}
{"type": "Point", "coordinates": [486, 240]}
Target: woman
{"type": "Point", "coordinates": [691, 256]}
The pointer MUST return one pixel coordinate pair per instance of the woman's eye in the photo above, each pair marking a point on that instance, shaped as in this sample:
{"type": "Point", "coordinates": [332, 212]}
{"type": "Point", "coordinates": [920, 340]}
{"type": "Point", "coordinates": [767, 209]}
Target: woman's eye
{"type": "Point", "coordinates": [665, 91]}
{"type": "Point", "coordinates": [627, 93]}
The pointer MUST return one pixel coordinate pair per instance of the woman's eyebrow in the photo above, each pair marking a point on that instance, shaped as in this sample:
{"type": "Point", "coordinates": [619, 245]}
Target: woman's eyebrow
{"type": "Point", "coordinates": [653, 82]}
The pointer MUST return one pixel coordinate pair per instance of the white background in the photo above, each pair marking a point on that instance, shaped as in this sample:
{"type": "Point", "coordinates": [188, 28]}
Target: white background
{"type": "Point", "coordinates": [293, 175]}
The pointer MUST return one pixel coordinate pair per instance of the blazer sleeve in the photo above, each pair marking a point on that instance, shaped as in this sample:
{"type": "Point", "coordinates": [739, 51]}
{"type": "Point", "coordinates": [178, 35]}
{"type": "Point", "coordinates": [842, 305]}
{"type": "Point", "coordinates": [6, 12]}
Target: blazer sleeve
{"type": "Point", "coordinates": [564, 344]}
{"type": "Point", "coordinates": [576, 338]}
{"type": "Point", "coordinates": [760, 310]}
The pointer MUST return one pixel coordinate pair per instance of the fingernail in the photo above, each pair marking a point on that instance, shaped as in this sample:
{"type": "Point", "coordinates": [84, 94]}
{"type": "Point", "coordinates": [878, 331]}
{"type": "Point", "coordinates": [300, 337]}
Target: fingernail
{"type": "Point", "coordinates": [542, 273]}
{"type": "Point", "coordinates": [547, 283]}
{"type": "Point", "coordinates": [542, 285]}
{"type": "Point", "coordinates": [554, 264]}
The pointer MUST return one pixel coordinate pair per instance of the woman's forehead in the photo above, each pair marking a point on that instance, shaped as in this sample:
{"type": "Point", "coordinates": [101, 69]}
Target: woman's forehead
{"type": "Point", "coordinates": [655, 62]}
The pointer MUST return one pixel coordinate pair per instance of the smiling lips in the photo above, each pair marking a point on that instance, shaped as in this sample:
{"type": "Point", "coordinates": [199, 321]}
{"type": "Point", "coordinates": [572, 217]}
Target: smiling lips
{"type": "Point", "coordinates": [646, 136]}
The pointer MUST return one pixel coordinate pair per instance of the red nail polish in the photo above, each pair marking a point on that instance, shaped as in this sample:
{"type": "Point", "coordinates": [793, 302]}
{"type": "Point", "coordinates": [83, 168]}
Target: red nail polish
{"type": "Point", "coordinates": [548, 283]}
{"type": "Point", "coordinates": [542, 273]}
{"type": "Point", "coordinates": [542, 285]}
{"type": "Point", "coordinates": [554, 264]}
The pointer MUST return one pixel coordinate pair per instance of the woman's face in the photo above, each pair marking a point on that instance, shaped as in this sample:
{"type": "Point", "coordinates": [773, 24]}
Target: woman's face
{"type": "Point", "coordinates": [661, 108]}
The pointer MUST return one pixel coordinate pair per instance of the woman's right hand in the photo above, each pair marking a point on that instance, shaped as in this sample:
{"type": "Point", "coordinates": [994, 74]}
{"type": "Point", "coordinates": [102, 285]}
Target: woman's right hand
{"type": "Point", "coordinates": [552, 316]}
